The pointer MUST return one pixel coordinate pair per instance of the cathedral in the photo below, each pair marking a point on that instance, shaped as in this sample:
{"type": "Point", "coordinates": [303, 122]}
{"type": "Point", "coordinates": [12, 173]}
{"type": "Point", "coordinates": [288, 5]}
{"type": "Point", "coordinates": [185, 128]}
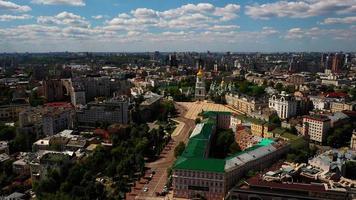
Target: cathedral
{"type": "Point", "coordinates": [200, 86]}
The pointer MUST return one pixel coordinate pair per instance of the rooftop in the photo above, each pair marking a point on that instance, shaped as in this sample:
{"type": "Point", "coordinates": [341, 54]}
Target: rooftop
{"type": "Point", "coordinates": [195, 155]}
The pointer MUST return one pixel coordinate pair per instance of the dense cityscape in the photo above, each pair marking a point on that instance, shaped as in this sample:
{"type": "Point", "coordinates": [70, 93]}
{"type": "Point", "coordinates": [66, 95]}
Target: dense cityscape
{"type": "Point", "coordinates": [184, 125]}
{"type": "Point", "coordinates": [177, 100]}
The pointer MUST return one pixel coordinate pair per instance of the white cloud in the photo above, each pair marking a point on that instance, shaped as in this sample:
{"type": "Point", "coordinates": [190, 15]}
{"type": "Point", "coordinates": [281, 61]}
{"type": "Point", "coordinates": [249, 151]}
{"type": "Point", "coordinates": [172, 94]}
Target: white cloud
{"type": "Point", "coordinates": [228, 12]}
{"type": "Point", "coordinates": [300, 9]}
{"type": "Point", "coordinates": [317, 33]}
{"type": "Point", "coordinates": [60, 2]}
{"type": "Point", "coordinates": [10, 6]}
{"type": "Point", "coordinates": [64, 18]}
{"type": "Point", "coordinates": [14, 17]}
{"type": "Point", "coordinates": [189, 16]}
{"type": "Point", "coordinates": [344, 20]}
{"type": "Point", "coordinates": [97, 17]}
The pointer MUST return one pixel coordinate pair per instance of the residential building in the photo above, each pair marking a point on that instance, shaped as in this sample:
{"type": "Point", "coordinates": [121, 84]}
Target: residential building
{"type": "Point", "coordinates": [200, 85]}
{"type": "Point", "coordinates": [114, 110]}
{"type": "Point", "coordinates": [4, 147]}
{"type": "Point", "coordinates": [11, 112]}
{"type": "Point", "coordinates": [49, 160]}
{"type": "Point", "coordinates": [53, 90]}
{"type": "Point", "coordinates": [316, 127]}
{"type": "Point", "coordinates": [57, 119]}
{"type": "Point", "coordinates": [149, 105]}
{"type": "Point", "coordinates": [320, 102]}
{"type": "Point", "coordinates": [245, 104]}
{"type": "Point", "coordinates": [284, 104]}
{"type": "Point", "coordinates": [261, 128]}
{"type": "Point", "coordinates": [296, 79]}
{"type": "Point", "coordinates": [340, 106]}
{"type": "Point", "coordinates": [21, 167]}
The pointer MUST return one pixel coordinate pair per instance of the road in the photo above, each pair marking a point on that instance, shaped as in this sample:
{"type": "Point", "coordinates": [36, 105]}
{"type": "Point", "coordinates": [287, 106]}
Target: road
{"type": "Point", "coordinates": [166, 160]}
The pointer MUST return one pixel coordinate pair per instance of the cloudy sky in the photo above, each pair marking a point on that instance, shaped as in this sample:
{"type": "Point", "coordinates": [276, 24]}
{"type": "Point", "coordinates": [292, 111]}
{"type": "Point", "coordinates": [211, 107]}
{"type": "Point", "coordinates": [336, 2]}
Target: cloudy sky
{"type": "Point", "coordinates": [177, 25]}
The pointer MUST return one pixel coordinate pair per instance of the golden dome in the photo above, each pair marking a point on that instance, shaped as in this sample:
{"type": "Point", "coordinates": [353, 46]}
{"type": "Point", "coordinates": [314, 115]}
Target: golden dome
{"type": "Point", "coordinates": [200, 72]}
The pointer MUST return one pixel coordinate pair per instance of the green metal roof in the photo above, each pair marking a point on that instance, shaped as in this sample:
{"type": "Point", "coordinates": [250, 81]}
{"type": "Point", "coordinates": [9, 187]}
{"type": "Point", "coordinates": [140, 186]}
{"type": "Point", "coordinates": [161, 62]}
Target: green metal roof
{"type": "Point", "coordinates": [200, 164]}
{"type": "Point", "coordinates": [195, 148]}
{"type": "Point", "coordinates": [193, 157]}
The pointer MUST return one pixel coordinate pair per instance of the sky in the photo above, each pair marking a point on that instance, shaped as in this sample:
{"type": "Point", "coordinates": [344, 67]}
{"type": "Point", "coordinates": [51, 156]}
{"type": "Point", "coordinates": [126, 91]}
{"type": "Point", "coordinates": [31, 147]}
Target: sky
{"type": "Point", "coordinates": [177, 25]}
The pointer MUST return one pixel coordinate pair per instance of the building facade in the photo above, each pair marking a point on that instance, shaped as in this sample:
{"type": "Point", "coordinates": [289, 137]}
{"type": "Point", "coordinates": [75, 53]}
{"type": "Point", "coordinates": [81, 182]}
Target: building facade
{"type": "Point", "coordinates": [244, 104]}
{"type": "Point", "coordinates": [284, 104]}
{"type": "Point", "coordinates": [316, 127]}
{"type": "Point", "coordinates": [111, 111]}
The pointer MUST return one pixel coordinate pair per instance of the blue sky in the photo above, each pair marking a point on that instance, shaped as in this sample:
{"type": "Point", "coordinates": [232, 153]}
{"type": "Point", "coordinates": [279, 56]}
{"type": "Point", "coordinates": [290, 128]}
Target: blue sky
{"type": "Point", "coordinates": [177, 25]}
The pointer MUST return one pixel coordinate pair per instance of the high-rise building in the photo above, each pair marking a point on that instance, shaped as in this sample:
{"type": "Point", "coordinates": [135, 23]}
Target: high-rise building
{"type": "Point", "coordinates": [200, 85]}
{"type": "Point", "coordinates": [112, 111]}
{"type": "Point", "coordinates": [337, 63]}
{"type": "Point", "coordinates": [284, 104]}
{"type": "Point", "coordinates": [53, 90]}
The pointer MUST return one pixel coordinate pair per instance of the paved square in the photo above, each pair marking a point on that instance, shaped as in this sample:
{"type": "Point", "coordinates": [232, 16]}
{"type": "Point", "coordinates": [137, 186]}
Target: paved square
{"type": "Point", "coordinates": [194, 108]}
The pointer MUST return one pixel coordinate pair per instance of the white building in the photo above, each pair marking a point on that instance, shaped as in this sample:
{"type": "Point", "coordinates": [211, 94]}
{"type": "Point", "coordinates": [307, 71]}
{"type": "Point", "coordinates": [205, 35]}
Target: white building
{"type": "Point", "coordinates": [320, 102]}
{"type": "Point", "coordinates": [316, 127]}
{"type": "Point", "coordinates": [111, 111]}
{"type": "Point", "coordinates": [353, 141]}
{"type": "Point", "coordinates": [284, 104]}
{"type": "Point", "coordinates": [200, 85]}
{"type": "Point", "coordinates": [57, 120]}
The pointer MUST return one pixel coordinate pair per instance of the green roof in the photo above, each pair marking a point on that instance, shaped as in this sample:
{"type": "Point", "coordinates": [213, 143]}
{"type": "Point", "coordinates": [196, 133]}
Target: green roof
{"type": "Point", "coordinates": [195, 148]}
{"type": "Point", "coordinates": [194, 155]}
{"type": "Point", "coordinates": [200, 164]}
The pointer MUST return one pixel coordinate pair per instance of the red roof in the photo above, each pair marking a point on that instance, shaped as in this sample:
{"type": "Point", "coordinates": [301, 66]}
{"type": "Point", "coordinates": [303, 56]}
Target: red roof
{"type": "Point", "coordinates": [335, 94]}
{"type": "Point", "coordinates": [255, 181]}
{"type": "Point", "coordinates": [59, 104]}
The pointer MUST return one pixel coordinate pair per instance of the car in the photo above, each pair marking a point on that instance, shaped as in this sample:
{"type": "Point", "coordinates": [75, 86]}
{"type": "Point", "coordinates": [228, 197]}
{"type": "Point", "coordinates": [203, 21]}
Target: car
{"type": "Point", "coordinates": [145, 189]}
{"type": "Point", "coordinates": [151, 176]}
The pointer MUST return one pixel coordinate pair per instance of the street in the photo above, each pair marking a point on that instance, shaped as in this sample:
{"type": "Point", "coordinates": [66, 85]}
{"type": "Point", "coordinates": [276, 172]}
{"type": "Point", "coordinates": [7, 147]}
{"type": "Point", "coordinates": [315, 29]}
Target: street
{"type": "Point", "coordinates": [166, 160]}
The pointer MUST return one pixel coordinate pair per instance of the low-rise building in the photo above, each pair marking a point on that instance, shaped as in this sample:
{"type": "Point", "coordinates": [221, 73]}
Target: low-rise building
{"type": "Point", "coordinates": [11, 112]}
{"type": "Point", "coordinates": [4, 147]}
{"type": "Point", "coordinates": [341, 106]}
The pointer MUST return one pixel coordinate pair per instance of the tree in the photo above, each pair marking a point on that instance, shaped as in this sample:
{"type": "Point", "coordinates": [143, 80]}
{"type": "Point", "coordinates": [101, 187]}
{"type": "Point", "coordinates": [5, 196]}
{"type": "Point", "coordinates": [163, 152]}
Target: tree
{"type": "Point", "coordinates": [274, 119]}
{"type": "Point", "coordinates": [197, 120]}
{"type": "Point", "coordinates": [7, 133]}
{"type": "Point", "coordinates": [279, 87]}
{"type": "Point", "coordinates": [351, 169]}
{"type": "Point", "coordinates": [179, 149]}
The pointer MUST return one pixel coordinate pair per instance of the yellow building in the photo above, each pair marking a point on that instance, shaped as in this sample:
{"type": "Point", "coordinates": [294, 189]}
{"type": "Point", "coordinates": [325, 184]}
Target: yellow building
{"type": "Point", "coordinates": [340, 106]}
{"type": "Point", "coordinates": [11, 112]}
{"type": "Point", "coordinates": [244, 104]}
{"type": "Point", "coordinates": [261, 129]}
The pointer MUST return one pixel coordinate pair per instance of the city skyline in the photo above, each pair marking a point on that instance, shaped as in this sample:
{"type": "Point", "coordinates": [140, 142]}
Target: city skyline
{"type": "Point", "coordinates": [139, 26]}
